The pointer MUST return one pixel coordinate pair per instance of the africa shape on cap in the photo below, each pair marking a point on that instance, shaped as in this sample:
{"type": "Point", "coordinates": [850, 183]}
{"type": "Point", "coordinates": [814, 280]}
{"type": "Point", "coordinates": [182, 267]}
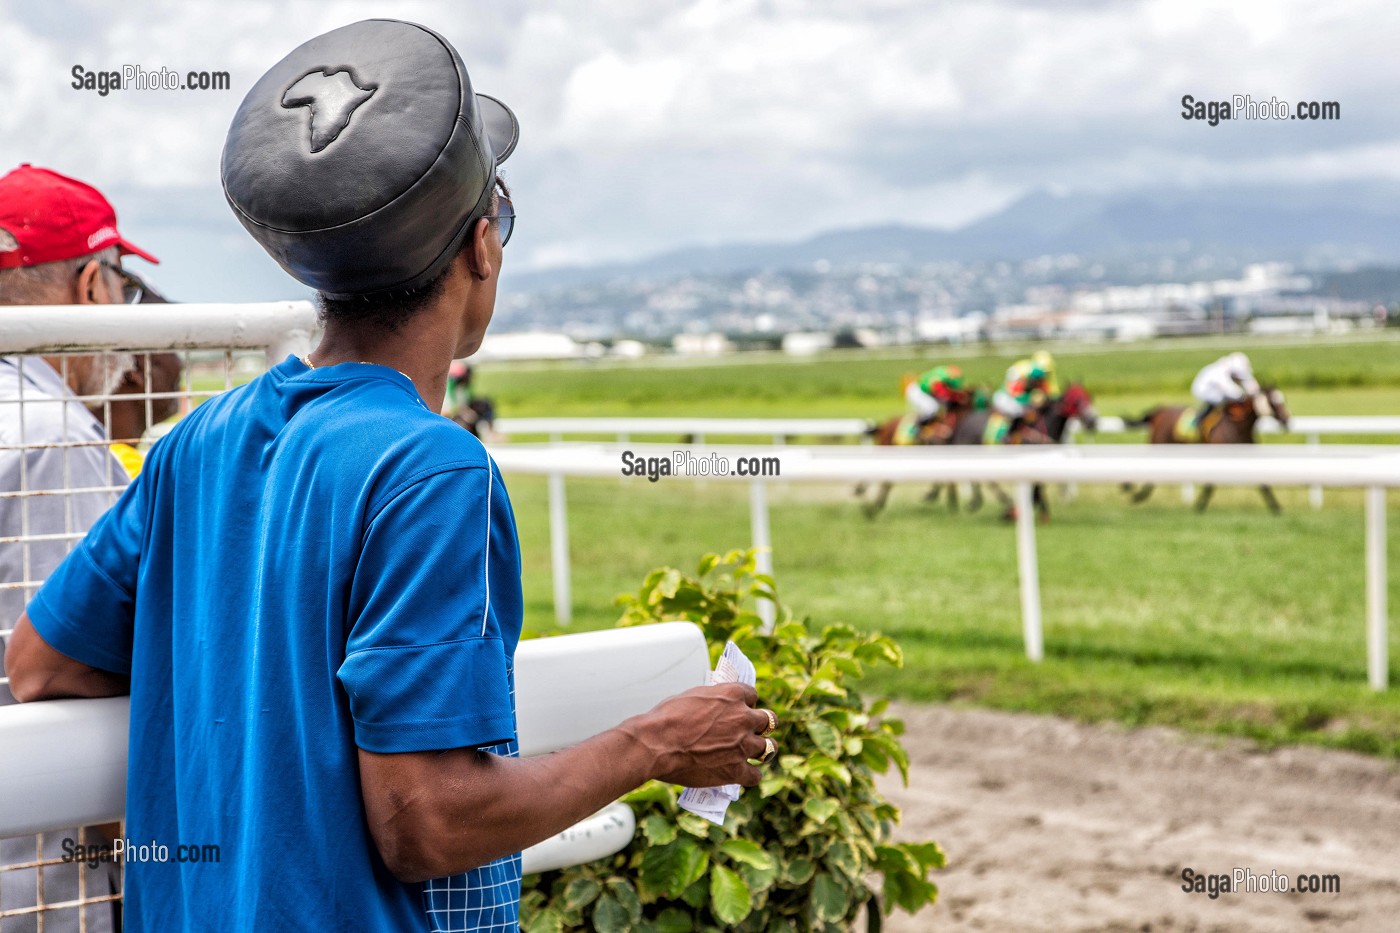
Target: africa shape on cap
{"type": "Point", "coordinates": [360, 160]}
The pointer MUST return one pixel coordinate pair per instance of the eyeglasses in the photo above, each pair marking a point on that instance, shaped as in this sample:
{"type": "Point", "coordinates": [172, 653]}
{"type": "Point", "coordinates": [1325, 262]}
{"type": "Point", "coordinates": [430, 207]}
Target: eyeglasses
{"type": "Point", "coordinates": [133, 289]}
{"type": "Point", "coordinates": [504, 217]}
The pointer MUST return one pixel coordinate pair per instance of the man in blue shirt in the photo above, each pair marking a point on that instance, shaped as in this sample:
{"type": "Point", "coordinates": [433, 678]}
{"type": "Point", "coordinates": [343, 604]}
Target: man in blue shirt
{"type": "Point", "coordinates": [312, 589]}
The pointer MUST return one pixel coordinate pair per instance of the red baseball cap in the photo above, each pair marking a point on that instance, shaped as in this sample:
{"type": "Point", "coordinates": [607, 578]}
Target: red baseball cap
{"type": "Point", "coordinates": [46, 217]}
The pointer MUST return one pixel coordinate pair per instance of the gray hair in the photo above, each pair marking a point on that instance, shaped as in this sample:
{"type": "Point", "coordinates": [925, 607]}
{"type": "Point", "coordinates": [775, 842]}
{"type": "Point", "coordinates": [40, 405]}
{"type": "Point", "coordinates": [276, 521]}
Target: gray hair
{"type": "Point", "coordinates": [36, 284]}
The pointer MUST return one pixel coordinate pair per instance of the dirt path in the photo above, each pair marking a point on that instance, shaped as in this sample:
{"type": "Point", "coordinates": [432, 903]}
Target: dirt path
{"type": "Point", "coordinates": [1053, 825]}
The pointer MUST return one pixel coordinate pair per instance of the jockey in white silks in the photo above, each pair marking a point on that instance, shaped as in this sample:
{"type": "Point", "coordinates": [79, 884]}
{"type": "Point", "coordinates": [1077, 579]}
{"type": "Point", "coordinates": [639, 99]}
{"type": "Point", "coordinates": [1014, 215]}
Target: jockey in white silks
{"type": "Point", "coordinates": [1228, 379]}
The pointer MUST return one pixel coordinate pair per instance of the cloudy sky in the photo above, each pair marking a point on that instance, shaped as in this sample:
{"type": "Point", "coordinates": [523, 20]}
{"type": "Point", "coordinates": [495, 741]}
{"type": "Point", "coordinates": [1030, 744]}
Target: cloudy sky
{"type": "Point", "coordinates": [653, 124]}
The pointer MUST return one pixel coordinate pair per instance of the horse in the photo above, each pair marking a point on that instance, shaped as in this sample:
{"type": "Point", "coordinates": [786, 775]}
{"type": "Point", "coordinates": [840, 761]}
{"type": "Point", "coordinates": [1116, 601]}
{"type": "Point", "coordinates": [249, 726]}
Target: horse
{"type": "Point", "coordinates": [1048, 426]}
{"type": "Point", "coordinates": [1232, 423]}
{"type": "Point", "coordinates": [479, 417]}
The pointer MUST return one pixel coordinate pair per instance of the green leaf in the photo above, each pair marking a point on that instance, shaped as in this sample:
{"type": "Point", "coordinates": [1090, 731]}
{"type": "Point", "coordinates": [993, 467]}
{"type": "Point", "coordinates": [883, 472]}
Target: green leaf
{"type": "Point", "coordinates": [820, 809]}
{"type": "Point", "coordinates": [929, 854]}
{"type": "Point", "coordinates": [707, 563]}
{"type": "Point", "coordinates": [820, 764]}
{"type": "Point", "coordinates": [799, 871]}
{"type": "Point", "coordinates": [843, 856]}
{"type": "Point", "coordinates": [825, 737]}
{"type": "Point", "coordinates": [626, 896]}
{"type": "Point", "coordinates": [548, 920]}
{"type": "Point", "coordinates": [829, 898]}
{"type": "Point", "coordinates": [671, 869]}
{"type": "Point", "coordinates": [697, 826]}
{"type": "Point", "coordinates": [658, 829]}
{"type": "Point", "coordinates": [674, 920]}
{"type": "Point", "coordinates": [697, 894]}
{"type": "Point", "coordinates": [822, 687]}
{"type": "Point", "coordinates": [650, 792]}
{"type": "Point", "coordinates": [581, 892]}
{"type": "Point", "coordinates": [747, 852]}
{"type": "Point", "coordinates": [729, 895]}
{"type": "Point", "coordinates": [609, 916]}
{"type": "Point", "coordinates": [772, 783]}
{"type": "Point", "coordinates": [759, 879]}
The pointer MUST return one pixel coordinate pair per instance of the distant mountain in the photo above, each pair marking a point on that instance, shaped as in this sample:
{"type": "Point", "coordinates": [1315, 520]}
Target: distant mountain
{"type": "Point", "coordinates": [1352, 221]}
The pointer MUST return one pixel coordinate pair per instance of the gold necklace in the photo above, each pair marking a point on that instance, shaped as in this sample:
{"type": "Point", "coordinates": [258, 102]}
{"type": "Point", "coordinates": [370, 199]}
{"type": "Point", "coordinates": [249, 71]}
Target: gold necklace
{"type": "Point", "coordinates": [310, 365]}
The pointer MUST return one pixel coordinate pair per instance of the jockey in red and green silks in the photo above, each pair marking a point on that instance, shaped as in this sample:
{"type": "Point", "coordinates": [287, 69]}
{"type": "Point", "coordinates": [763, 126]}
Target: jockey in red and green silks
{"type": "Point", "coordinates": [1028, 383]}
{"type": "Point", "coordinates": [935, 391]}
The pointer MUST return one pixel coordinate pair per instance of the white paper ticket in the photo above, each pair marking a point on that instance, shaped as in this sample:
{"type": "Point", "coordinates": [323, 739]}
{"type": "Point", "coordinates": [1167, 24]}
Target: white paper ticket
{"type": "Point", "coordinates": [713, 802]}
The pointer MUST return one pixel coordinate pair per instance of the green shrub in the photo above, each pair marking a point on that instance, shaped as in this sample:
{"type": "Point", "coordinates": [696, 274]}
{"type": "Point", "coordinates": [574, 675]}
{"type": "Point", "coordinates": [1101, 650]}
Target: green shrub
{"type": "Point", "coordinates": [807, 849]}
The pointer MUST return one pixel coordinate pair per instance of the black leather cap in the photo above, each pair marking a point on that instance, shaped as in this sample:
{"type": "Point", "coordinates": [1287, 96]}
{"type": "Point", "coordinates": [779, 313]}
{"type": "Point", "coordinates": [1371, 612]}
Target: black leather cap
{"type": "Point", "coordinates": [360, 160]}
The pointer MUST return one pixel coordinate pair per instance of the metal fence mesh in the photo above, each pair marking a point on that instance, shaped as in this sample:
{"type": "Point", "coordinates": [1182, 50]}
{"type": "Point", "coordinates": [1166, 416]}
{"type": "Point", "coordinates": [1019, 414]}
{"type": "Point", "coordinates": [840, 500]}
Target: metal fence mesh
{"type": "Point", "coordinates": [64, 458]}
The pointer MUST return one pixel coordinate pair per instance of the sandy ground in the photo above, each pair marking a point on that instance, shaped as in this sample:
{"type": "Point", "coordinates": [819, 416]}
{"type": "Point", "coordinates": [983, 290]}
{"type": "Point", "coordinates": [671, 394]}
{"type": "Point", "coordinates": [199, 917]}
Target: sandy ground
{"type": "Point", "coordinates": [1053, 825]}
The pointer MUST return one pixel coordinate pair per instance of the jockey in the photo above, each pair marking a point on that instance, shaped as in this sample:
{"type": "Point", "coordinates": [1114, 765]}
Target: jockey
{"type": "Point", "coordinates": [459, 388]}
{"type": "Point", "coordinates": [1028, 384]}
{"type": "Point", "coordinates": [1228, 379]}
{"type": "Point", "coordinates": [935, 392]}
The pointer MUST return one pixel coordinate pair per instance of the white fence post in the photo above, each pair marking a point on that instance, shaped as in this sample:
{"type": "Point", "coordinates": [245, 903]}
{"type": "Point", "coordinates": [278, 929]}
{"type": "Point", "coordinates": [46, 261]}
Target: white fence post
{"type": "Point", "coordinates": [758, 521]}
{"type": "Point", "coordinates": [1029, 570]}
{"type": "Point", "coordinates": [559, 549]}
{"type": "Point", "coordinates": [1315, 491]}
{"type": "Point", "coordinates": [1377, 658]}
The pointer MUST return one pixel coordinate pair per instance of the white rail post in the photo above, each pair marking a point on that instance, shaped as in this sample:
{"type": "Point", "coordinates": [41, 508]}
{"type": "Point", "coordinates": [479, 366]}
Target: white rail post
{"type": "Point", "coordinates": [1030, 572]}
{"type": "Point", "coordinates": [1315, 491]}
{"type": "Point", "coordinates": [758, 521]}
{"type": "Point", "coordinates": [1070, 491]}
{"type": "Point", "coordinates": [559, 549]}
{"type": "Point", "coordinates": [1377, 659]}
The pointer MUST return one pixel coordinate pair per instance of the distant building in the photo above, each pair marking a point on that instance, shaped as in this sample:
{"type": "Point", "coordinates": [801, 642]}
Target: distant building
{"type": "Point", "coordinates": [804, 343]}
{"type": "Point", "coordinates": [529, 346]}
{"type": "Point", "coordinates": [701, 344]}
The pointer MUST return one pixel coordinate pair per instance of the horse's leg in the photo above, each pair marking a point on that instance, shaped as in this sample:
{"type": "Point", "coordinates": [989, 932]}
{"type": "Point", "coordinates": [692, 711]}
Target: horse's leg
{"type": "Point", "coordinates": [975, 502]}
{"type": "Point", "coordinates": [1203, 499]}
{"type": "Point", "coordinates": [1042, 507]}
{"type": "Point", "coordinates": [933, 492]}
{"type": "Point", "coordinates": [953, 497]}
{"type": "Point", "coordinates": [875, 506]}
{"type": "Point", "coordinates": [859, 490]}
{"type": "Point", "coordinates": [1143, 492]}
{"type": "Point", "coordinates": [1270, 501]}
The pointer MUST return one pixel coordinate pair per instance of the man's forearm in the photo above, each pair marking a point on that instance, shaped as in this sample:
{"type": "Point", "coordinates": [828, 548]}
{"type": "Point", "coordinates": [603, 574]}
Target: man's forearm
{"type": "Point", "coordinates": [37, 671]}
{"type": "Point", "coordinates": [439, 813]}
{"type": "Point", "coordinates": [487, 806]}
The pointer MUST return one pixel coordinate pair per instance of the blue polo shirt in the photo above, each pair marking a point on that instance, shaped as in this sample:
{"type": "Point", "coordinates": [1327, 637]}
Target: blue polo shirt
{"type": "Point", "coordinates": [308, 564]}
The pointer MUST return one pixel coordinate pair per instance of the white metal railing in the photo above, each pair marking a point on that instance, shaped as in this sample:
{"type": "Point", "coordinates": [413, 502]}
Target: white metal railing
{"type": "Point", "coordinates": [782, 428]}
{"type": "Point", "coordinates": [65, 760]}
{"type": "Point", "coordinates": [1373, 468]}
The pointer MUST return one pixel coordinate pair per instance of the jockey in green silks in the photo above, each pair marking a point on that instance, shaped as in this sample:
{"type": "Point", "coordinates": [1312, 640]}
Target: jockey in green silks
{"type": "Point", "coordinates": [1028, 384]}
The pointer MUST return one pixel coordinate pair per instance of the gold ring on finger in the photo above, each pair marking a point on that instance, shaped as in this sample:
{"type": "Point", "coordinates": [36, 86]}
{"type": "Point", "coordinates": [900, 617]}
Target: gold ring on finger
{"type": "Point", "coordinates": [772, 724]}
{"type": "Point", "coordinates": [770, 751]}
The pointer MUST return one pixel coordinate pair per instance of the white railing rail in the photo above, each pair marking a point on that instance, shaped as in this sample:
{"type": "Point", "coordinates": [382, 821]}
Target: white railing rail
{"type": "Point", "coordinates": [279, 327]}
{"type": "Point", "coordinates": [65, 761]}
{"type": "Point", "coordinates": [1374, 468]}
{"type": "Point", "coordinates": [780, 428]}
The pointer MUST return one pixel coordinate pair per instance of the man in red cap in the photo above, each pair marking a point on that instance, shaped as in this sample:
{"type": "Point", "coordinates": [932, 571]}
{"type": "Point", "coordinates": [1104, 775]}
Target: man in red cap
{"type": "Point", "coordinates": [59, 245]}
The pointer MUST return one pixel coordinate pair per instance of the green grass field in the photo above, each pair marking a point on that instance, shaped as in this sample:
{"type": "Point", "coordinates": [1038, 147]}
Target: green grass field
{"type": "Point", "coordinates": [1234, 621]}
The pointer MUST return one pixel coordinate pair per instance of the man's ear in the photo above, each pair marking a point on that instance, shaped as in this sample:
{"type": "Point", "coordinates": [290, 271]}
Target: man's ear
{"type": "Point", "coordinates": [478, 252]}
{"type": "Point", "coordinates": [94, 288]}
